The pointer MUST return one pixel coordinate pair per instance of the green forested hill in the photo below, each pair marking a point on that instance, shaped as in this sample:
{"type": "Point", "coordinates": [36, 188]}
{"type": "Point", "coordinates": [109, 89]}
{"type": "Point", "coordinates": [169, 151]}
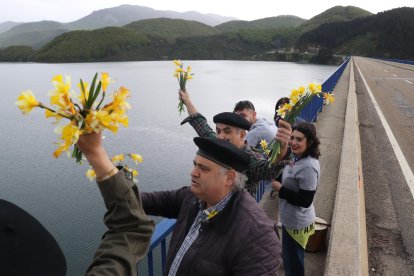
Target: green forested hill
{"type": "Point", "coordinates": [34, 34]}
{"type": "Point", "coordinates": [16, 53]}
{"type": "Point", "coordinates": [334, 14]}
{"type": "Point", "coordinates": [278, 22]}
{"type": "Point", "coordinates": [5, 26]}
{"type": "Point", "coordinates": [386, 34]}
{"type": "Point", "coordinates": [111, 43]}
{"type": "Point", "coordinates": [172, 28]}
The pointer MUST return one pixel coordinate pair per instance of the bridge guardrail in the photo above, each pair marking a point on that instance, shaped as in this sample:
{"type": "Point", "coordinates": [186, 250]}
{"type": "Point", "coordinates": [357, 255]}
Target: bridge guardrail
{"type": "Point", "coordinates": [311, 111]}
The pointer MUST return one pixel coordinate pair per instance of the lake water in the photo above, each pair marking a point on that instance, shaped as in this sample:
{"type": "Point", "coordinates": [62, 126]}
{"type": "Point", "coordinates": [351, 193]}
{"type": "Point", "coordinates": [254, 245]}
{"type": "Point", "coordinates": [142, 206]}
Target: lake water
{"type": "Point", "coordinates": [57, 192]}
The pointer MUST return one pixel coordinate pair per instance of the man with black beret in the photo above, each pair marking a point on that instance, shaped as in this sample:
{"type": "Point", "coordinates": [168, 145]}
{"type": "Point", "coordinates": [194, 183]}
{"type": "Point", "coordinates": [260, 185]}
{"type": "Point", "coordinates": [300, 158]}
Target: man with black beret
{"type": "Point", "coordinates": [233, 128]}
{"type": "Point", "coordinates": [220, 229]}
{"type": "Point", "coordinates": [27, 248]}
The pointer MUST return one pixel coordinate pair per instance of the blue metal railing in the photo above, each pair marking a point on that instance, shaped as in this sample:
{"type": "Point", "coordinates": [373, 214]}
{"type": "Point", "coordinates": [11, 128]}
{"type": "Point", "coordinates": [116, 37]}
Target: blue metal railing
{"type": "Point", "coordinates": [162, 231]}
{"type": "Point", "coordinates": [165, 228]}
{"type": "Point", "coordinates": [310, 112]}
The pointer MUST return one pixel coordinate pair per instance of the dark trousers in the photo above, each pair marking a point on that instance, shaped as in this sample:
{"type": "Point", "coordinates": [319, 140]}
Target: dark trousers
{"type": "Point", "coordinates": [293, 255]}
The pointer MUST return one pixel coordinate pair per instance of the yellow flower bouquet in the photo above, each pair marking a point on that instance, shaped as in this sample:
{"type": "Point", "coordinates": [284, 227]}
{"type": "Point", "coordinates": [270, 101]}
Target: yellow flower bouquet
{"type": "Point", "coordinates": [86, 115]}
{"type": "Point", "coordinates": [298, 99]}
{"type": "Point", "coordinates": [182, 76]}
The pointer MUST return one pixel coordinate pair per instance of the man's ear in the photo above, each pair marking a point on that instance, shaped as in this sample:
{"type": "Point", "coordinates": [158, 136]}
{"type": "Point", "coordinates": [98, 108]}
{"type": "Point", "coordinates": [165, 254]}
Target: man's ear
{"type": "Point", "coordinates": [243, 133]}
{"type": "Point", "coordinates": [230, 177]}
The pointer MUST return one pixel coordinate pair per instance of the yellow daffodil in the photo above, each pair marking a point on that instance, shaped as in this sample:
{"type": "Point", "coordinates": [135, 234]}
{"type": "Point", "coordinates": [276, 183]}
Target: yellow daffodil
{"type": "Point", "coordinates": [90, 174]}
{"type": "Point", "coordinates": [211, 214]}
{"type": "Point", "coordinates": [27, 101]}
{"type": "Point", "coordinates": [105, 81]}
{"type": "Point", "coordinates": [314, 88]}
{"type": "Point", "coordinates": [263, 144]}
{"type": "Point", "coordinates": [281, 112]}
{"type": "Point", "coordinates": [302, 90]}
{"type": "Point", "coordinates": [61, 95]}
{"type": "Point", "coordinates": [329, 98]}
{"type": "Point", "coordinates": [294, 100]}
{"type": "Point", "coordinates": [62, 148]}
{"type": "Point", "coordinates": [60, 85]}
{"type": "Point", "coordinates": [117, 158]}
{"type": "Point", "coordinates": [294, 94]}
{"type": "Point", "coordinates": [288, 106]}
{"type": "Point", "coordinates": [182, 76]}
{"type": "Point", "coordinates": [135, 175]}
{"type": "Point", "coordinates": [136, 158]}
{"type": "Point", "coordinates": [177, 62]}
{"type": "Point", "coordinates": [70, 133]}
{"type": "Point", "coordinates": [119, 100]}
{"type": "Point", "coordinates": [51, 114]}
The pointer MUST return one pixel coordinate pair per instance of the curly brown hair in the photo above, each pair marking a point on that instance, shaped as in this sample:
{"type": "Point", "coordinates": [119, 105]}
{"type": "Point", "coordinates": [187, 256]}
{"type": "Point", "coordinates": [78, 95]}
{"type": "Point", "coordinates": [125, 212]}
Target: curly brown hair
{"type": "Point", "coordinates": [312, 140]}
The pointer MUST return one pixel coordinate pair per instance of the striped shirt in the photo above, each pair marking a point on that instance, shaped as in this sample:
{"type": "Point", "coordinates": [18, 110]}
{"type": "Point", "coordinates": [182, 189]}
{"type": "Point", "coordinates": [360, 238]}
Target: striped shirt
{"type": "Point", "coordinates": [203, 215]}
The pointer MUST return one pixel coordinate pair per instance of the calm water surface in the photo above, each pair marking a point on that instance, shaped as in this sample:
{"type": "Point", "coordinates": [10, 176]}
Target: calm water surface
{"type": "Point", "coordinates": [56, 191]}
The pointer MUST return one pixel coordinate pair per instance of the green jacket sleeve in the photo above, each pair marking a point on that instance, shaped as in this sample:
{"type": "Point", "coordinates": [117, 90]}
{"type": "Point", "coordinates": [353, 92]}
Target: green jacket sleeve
{"type": "Point", "coordinates": [129, 232]}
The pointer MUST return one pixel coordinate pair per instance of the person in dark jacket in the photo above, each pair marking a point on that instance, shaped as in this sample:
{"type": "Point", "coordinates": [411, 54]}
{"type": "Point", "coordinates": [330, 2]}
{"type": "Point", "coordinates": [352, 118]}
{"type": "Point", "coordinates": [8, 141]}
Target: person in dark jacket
{"type": "Point", "coordinates": [27, 248]}
{"type": "Point", "coordinates": [220, 228]}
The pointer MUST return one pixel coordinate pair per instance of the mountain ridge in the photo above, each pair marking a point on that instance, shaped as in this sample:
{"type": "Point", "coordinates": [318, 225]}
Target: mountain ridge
{"type": "Point", "coordinates": [353, 32]}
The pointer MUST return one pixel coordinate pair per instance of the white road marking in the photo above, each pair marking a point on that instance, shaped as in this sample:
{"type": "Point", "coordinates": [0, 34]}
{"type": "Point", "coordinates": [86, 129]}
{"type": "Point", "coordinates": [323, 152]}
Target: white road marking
{"type": "Point", "coordinates": [385, 71]}
{"type": "Point", "coordinates": [408, 81]}
{"type": "Point", "coordinates": [406, 170]}
{"type": "Point", "coordinates": [394, 75]}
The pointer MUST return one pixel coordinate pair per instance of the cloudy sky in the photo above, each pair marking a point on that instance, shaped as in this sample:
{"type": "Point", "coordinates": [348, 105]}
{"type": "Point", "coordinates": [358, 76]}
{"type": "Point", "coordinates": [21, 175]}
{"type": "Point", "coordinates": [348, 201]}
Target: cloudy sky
{"type": "Point", "coordinates": [67, 11]}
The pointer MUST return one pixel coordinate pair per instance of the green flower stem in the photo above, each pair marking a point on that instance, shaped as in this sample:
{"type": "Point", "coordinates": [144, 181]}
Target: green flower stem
{"type": "Point", "coordinates": [77, 154]}
{"type": "Point", "coordinates": [182, 82]}
{"type": "Point", "coordinates": [54, 111]}
{"type": "Point", "coordinates": [275, 150]}
{"type": "Point", "coordinates": [103, 97]}
{"type": "Point", "coordinates": [181, 106]}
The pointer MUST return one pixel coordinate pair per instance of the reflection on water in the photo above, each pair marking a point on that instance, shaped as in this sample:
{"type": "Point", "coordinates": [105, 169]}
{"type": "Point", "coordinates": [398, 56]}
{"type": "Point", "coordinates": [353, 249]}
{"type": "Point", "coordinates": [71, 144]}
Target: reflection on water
{"type": "Point", "coordinates": [57, 191]}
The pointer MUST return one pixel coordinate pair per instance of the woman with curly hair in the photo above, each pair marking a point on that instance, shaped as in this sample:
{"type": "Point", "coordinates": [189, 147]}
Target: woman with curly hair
{"type": "Point", "coordinates": [296, 192]}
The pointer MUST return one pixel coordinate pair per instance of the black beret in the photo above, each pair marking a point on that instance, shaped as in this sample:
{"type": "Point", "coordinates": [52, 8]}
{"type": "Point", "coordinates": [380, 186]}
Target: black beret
{"type": "Point", "coordinates": [26, 247]}
{"type": "Point", "coordinates": [232, 119]}
{"type": "Point", "coordinates": [222, 152]}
